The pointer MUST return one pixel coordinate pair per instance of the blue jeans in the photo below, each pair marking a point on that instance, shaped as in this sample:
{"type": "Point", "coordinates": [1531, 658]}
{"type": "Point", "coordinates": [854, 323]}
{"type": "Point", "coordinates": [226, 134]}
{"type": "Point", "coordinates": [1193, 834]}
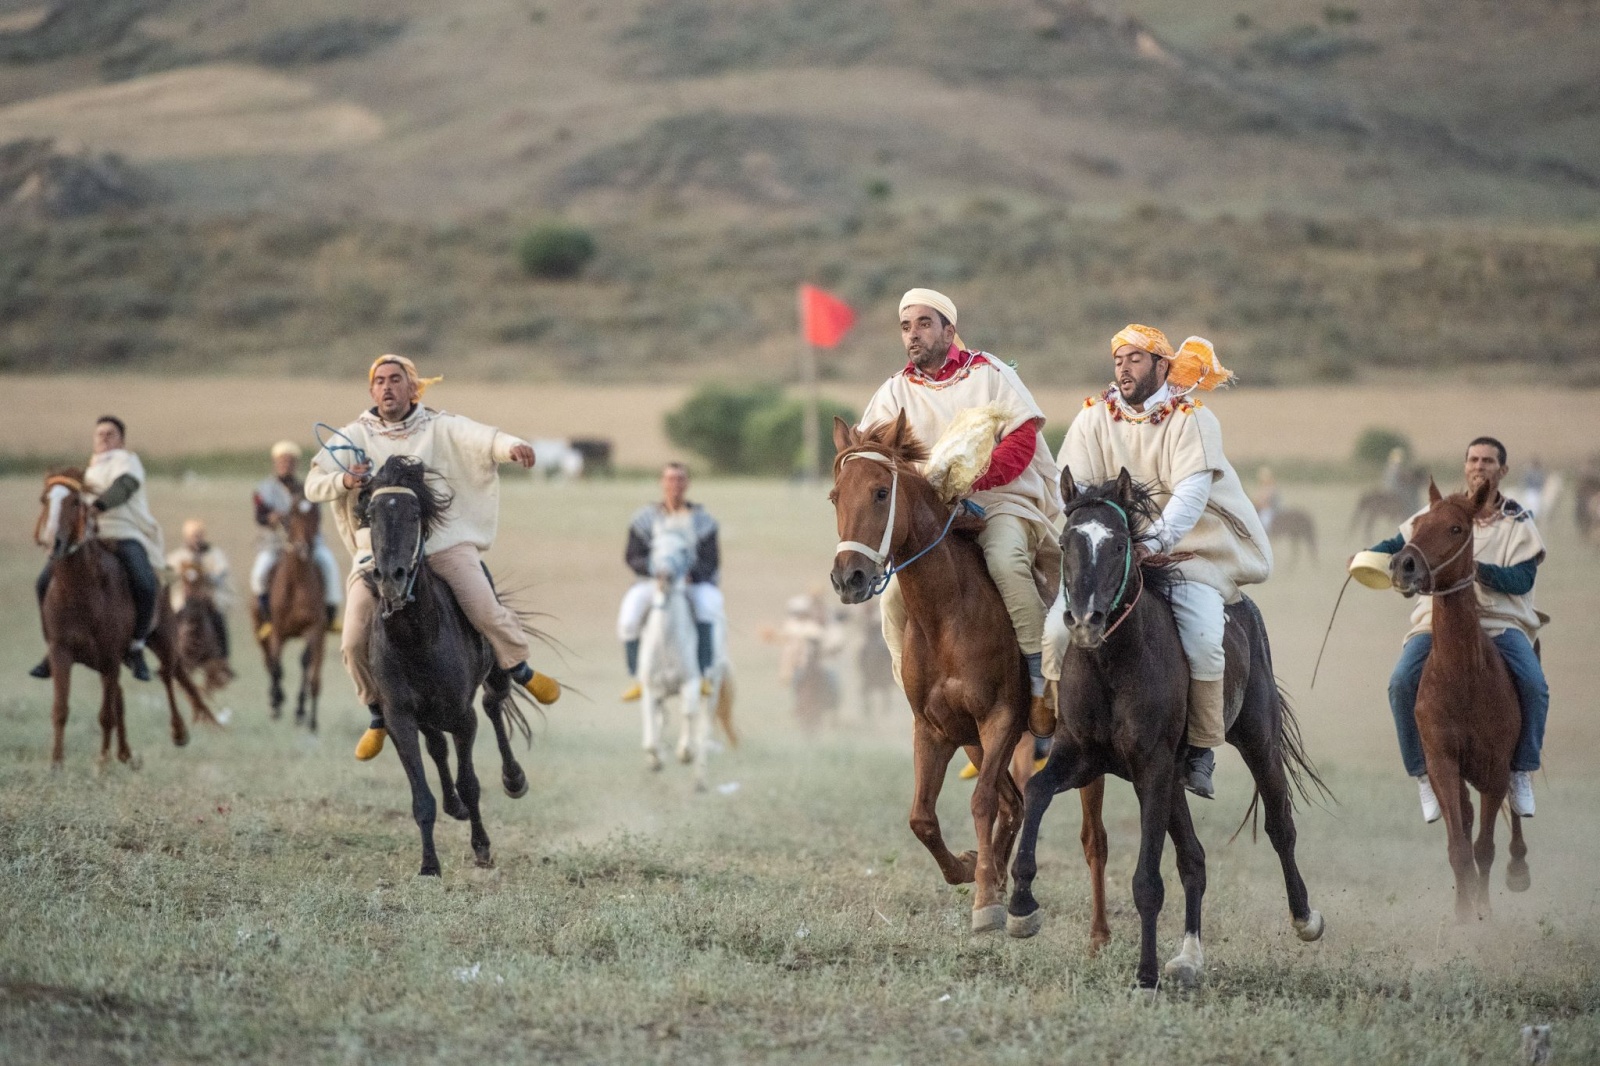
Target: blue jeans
{"type": "Point", "coordinates": [1526, 674]}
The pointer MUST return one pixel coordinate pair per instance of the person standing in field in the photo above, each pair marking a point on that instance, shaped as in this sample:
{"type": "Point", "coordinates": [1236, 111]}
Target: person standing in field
{"type": "Point", "coordinates": [1508, 550]}
{"type": "Point", "coordinates": [116, 479]}
{"type": "Point", "coordinates": [466, 455]}
{"type": "Point", "coordinates": [1146, 423]}
{"type": "Point", "coordinates": [273, 500]}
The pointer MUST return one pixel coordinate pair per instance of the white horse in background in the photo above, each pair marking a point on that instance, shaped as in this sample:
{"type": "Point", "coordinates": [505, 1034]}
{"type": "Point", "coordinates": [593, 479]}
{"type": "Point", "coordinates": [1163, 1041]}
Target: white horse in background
{"type": "Point", "coordinates": [669, 662]}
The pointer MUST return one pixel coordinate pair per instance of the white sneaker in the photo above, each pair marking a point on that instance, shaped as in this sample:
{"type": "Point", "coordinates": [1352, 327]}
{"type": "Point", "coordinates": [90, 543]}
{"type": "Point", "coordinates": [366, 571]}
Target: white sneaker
{"type": "Point", "coordinates": [1430, 802]}
{"type": "Point", "coordinates": [1522, 793]}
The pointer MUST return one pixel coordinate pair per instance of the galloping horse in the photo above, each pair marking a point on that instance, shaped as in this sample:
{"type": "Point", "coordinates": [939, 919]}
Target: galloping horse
{"type": "Point", "coordinates": [295, 597]}
{"type": "Point", "coordinates": [669, 662]}
{"type": "Point", "coordinates": [87, 615]}
{"type": "Point", "coordinates": [200, 639]}
{"type": "Point", "coordinates": [963, 672]}
{"type": "Point", "coordinates": [1123, 700]}
{"type": "Point", "coordinates": [428, 661]}
{"type": "Point", "coordinates": [1467, 709]}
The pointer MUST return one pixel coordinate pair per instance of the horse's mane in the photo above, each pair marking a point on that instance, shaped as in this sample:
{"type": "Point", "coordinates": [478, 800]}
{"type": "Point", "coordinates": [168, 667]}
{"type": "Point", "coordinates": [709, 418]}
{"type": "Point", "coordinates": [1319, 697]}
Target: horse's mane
{"type": "Point", "coordinates": [1160, 572]}
{"type": "Point", "coordinates": [74, 472]}
{"type": "Point", "coordinates": [906, 454]}
{"type": "Point", "coordinates": [409, 472]}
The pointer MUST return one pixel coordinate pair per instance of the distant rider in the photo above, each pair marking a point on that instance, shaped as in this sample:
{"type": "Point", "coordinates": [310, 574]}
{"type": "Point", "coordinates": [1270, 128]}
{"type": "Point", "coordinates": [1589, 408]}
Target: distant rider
{"type": "Point", "coordinates": [198, 552]}
{"type": "Point", "coordinates": [274, 499]}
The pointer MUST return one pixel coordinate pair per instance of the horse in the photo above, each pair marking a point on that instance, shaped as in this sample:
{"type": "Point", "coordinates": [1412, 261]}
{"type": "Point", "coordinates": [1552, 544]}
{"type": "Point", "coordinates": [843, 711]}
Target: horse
{"type": "Point", "coordinates": [428, 661]}
{"type": "Point", "coordinates": [963, 672]}
{"type": "Point", "coordinates": [200, 633]}
{"type": "Point", "coordinates": [1298, 528]}
{"type": "Point", "coordinates": [669, 662]}
{"type": "Point", "coordinates": [1467, 709]}
{"type": "Point", "coordinates": [296, 599]}
{"type": "Point", "coordinates": [1122, 707]}
{"type": "Point", "coordinates": [87, 615]}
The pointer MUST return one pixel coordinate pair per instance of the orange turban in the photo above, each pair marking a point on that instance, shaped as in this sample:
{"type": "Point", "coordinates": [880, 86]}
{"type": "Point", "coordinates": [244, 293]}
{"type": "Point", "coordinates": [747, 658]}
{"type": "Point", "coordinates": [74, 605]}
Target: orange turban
{"type": "Point", "coordinates": [1145, 338]}
{"type": "Point", "coordinates": [417, 382]}
{"type": "Point", "coordinates": [1196, 367]}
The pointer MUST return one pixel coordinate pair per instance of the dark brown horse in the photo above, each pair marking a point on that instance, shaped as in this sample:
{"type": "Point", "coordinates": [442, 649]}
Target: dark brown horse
{"type": "Point", "coordinates": [1122, 707]}
{"type": "Point", "coordinates": [201, 644]}
{"type": "Point", "coordinates": [87, 614]}
{"type": "Point", "coordinates": [1298, 528]}
{"type": "Point", "coordinates": [963, 672]}
{"type": "Point", "coordinates": [1467, 709]}
{"type": "Point", "coordinates": [296, 598]}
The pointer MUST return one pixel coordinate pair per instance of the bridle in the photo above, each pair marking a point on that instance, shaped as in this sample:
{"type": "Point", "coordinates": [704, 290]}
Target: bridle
{"type": "Point", "coordinates": [880, 554]}
{"type": "Point", "coordinates": [1127, 571]}
{"type": "Point", "coordinates": [416, 554]}
{"type": "Point", "coordinates": [80, 532]}
{"type": "Point", "coordinates": [1410, 549]}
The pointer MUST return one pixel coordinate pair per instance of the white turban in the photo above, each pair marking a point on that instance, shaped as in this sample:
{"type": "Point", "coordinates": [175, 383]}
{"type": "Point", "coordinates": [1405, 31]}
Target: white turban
{"type": "Point", "coordinates": [934, 299]}
{"type": "Point", "coordinates": [286, 447]}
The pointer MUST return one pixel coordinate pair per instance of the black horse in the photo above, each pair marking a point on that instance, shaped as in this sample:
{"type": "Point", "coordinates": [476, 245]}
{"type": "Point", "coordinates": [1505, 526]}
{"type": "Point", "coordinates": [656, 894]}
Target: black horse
{"type": "Point", "coordinates": [1122, 704]}
{"type": "Point", "coordinates": [428, 660]}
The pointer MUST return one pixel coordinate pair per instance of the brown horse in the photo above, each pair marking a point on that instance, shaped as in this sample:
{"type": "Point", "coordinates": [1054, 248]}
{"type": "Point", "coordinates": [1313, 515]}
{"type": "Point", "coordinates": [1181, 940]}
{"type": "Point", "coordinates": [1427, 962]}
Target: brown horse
{"type": "Point", "coordinates": [296, 599]}
{"type": "Point", "coordinates": [963, 672]}
{"type": "Point", "coordinates": [200, 633]}
{"type": "Point", "coordinates": [1298, 528]}
{"type": "Point", "coordinates": [1467, 709]}
{"type": "Point", "coordinates": [87, 615]}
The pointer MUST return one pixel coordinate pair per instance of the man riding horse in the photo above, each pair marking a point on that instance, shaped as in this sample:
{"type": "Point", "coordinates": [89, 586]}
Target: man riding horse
{"type": "Point", "coordinates": [466, 455]}
{"type": "Point", "coordinates": [274, 499]}
{"type": "Point", "coordinates": [675, 514]}
{"type": "Point", "coordinates": [115, 478]}
{"type": "Point", "coordinates": [1508, 550]}
{"type": "Point", "coordinates": [1145, 423]}
{"type": "Point", "coordinates": [1018, 493]}
{"type": "Point", "coordinates": [199, 554]}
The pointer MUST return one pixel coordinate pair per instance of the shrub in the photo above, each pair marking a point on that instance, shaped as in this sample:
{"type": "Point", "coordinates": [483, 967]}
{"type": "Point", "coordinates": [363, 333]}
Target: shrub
{"type": "Point", "coordinates": [555, 251]}
{"type": "Point", "coordinates": [1375, 443]}
{"type": "Point", "coordinates": [755, 430]}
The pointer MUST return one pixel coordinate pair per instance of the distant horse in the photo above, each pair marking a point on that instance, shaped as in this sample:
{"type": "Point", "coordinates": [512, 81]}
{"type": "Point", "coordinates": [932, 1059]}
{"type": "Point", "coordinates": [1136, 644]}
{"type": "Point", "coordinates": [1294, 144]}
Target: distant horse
{"type": "Point", "coordinates": [669, 662]}
{"type": "Point", "coordinates": [201, 645]}
{"type": "Point", "coordinates": [1390, 505]}
{"type": "Point", "coordinates": [1123, 702]}
{"type": "Point", "coordinates": [875, 666]}
{"type": "Point", "coordinates": [87, 615]}
{"type": "Point", "coordinates": [1298, 528]}
{"type": "Point", "coordinates": [427, 659]}
{"type": "Point", "coordinates": [1467, 709]}
{"type": "Point", "coordinates": [296, 598]}
{"type": "Point", "coordinates": [963, 672]}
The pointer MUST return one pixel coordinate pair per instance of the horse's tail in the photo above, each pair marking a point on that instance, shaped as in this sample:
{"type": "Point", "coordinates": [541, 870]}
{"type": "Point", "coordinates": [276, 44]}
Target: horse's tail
{"type": "Point", "coordinates": [513, 714]}
{"type": "Point", "coordinates": [725, 705]}
{"type": "Point", "coordinates": [1297, 765]}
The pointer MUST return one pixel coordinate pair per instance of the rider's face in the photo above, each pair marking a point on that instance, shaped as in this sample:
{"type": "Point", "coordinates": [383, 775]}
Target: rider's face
{"type": "Point", "coordinates": [392, 392]}
{"type": "Point", "coordinates": [674, 487]}
{"type": "Point", "coordinates": [926, 336]}
{"type": "Point", "coordinates": [1483, 464]}
{"type": "Point", "coordinates": [283, 465]}
{"type": "Point", "coordinates": [1138, 373]}
{"type": "Point", "coordinates": [106, 437]}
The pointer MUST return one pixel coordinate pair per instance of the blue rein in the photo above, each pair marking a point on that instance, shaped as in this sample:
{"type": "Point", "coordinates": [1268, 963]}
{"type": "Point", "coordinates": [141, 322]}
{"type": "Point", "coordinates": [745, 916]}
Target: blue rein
{"type": "Point", "coordinates": [881, 582]}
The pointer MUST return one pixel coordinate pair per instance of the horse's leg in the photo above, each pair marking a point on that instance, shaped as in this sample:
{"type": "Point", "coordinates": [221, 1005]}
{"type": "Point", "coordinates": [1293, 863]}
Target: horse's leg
{"type": "Point", "coordinates": [1264, 759]}
{"type": "Point", "coordinates": [1095, 849]}
{"type": "Point", "coordinates": [319, 650]}
{"type": "Point", "coordinates": [439, 752]}
{"type": "Point", "coordinates": [496, 690]}
{"type": "Point", "coordinates": [931, 756]}
{"type": "Point", "coordinates": [61, 677]}
{"type": "Point", "coordinates": [1022, 761]}
{"type": "Point", "coordinates": [1154, 783]}
{"type": "Point", "coordinates": [1063, 770]}
{"type": "Point", "coordinates": [1483, 851]}
{"type": "Point", "coordinates": [1449, 790]}
{"type": "Point", "coordinates": [1185, 967]}
{"type": "Point", "coordinates": [171, 667]}
{"type": "Point", "coordinates": [403, 732]}
{"type": "Point", "coordinates": [274, 651]}
{"type": "Point", "coordinates": [650, 708]}
{"type": "Point", "coordinates": [988, 912]}
{"type": "Point", "coordinates": [1517, 879]}
{"type": "Point", "coordinates": [120, 715]}
{"type": "Point", "coordinates": [697, 720]}
{"type": "Point", "coordinates": [305, 679]}
{"type": "Point", "coordinates": [467, 779]}
{"type": "Point", "coordinates": [180, 732]}
{"type": "Point", "coordinates": [108, 712]}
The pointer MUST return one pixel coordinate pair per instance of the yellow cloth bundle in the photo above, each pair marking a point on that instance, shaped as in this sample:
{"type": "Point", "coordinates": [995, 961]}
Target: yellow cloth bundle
{"type": "Point", "coordinates": [1196, 367]}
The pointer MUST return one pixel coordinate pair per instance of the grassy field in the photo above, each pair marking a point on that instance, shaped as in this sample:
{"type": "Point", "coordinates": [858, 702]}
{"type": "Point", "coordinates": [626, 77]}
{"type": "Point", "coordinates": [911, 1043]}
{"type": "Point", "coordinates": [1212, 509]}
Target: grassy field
{"type": "Point", "coordinates": [252, 897]}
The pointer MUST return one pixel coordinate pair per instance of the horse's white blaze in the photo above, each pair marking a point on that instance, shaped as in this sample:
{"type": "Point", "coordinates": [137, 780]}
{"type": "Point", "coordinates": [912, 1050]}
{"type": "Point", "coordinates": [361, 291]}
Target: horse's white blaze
{"type": "Point", "coordinates": [1096, 534]}
{"type": "Point", "coordinates": [52, 522]}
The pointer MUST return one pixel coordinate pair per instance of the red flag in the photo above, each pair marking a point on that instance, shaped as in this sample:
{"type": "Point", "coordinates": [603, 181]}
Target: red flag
{"type": "Point", "coordinates": [824, 318]}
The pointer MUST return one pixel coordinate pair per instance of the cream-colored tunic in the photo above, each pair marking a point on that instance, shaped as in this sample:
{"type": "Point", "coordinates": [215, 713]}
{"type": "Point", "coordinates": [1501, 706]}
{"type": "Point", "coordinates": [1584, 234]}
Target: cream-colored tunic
{"type": "Point", "coordinates": [1508, 539]}
{"type": "Point", "coordinates": [131, 520]}
{"type": "Point", "coordinates": [1033, 495]}
{"type": "Point", "coordinates": [1229, 544]}
{"type": "Point", "coordinates": [466, 454]}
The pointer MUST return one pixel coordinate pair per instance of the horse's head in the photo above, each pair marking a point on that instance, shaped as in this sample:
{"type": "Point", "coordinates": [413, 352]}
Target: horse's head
{"type": "Point", "coordinates": [302, 526]}
{"type": "Point", "coordinates": [65, 519]}
{"type": "Point", "coordinates": [869, 501]}
{"type": "Point", "coordinates": [196, 586]}
{"type": "Point", "coordinates": [402, 509]}
{"type": "Point", "coordinates": [1103, 523]}
{"type": "Point", "coordinates": [1437, 557]}
{"type": "Point", "coordinates": [671, 556]}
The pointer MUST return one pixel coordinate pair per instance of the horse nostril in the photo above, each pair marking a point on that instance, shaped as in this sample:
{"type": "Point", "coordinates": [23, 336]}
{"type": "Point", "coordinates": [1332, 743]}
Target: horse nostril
{"type": "Point", "coordinates": [1097, 618]}
{"type": "Point", "coordinates": [399, 572]}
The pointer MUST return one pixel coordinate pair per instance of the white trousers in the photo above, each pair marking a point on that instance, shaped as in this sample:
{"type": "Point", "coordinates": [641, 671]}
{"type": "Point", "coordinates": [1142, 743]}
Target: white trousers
{"type": "Point", "coordinates": [322, 555]}
{"type": "Point", "coordinates": [1198, 610]}
{"type": "Point", "coordinates": [705, 599]}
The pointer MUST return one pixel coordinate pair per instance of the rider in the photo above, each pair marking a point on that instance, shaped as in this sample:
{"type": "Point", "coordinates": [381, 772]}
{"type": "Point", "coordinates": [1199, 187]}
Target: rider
{"type": "Point", "coordinates": [1267, 498]}
{"type": "Point", "coordinates": [274, 499]}
{"type": "Point", "coordinates": [1018, 493]}
{"type": "Point", "coordinates": [705, 597]}
{"type": "Point", "coordinates": [466, 456]}
{"type": "Point", "coordinates": [198, 551]}
{"type": "Point", "coordinates": [1508, 550]}
{"type": "Point", "coordinates": [115, 478]}
{"type": "Point", "coordinates": [1146, 423]}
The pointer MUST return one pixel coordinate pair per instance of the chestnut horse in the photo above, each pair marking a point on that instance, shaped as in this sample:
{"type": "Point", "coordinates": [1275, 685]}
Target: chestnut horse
{"type": "Point", "coordinates": [200, 632]}
{"type": "Point", "coordinates": [87, 616]}
{"type": "Point", "coordinates": [963, 672]}
{"type": "Point", "coordinates": [295, 598]}
{"type": "Point", "coordinates": [1467, 709]}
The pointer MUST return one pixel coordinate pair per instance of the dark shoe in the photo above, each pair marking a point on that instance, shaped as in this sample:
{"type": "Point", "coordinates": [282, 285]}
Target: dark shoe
{"type": "Point", "coordinates": [135, 661]}
{"type": "Point", "coordinates": [1199, 763]}
{"type": "Point", "coordinates": [42, 671]}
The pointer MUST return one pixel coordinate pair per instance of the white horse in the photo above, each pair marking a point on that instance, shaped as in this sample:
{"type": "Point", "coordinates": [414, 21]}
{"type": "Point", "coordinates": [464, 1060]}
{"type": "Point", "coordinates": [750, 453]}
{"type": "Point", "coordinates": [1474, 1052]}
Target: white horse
{"type": "Point", "coordinates": [669, 663]}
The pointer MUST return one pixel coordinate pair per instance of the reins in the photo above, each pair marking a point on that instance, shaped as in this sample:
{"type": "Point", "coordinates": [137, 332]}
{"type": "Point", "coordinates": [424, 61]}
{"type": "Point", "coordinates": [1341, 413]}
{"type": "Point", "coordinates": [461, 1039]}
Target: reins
{"type": "Point", "coordinates": [880, 554]}
{"type": "Point", "coordinates": [1433, 571]}
{"type": "Point", "coordinates": [416, 554]}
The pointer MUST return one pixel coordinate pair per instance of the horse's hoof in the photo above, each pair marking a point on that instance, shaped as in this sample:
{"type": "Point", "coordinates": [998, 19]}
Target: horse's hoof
{"type": "Point", "coordinates": [134, 762]}
{"type": "Point", "coordinates": [1184, 970]}
{"type": "Point", "coordinates": [431, 870]}
{"type": "Point", "coordinates": [1023, 926]}
{"type": "Point", "coordinates": [988, 919]}
{"type": "Point", "coordinates": [483, 860]}
{"type": "Point", "coordinates": [1150, 995]}
{"type": "Point", "coordinates": [180, 740]}
{"type": "Point", "coordinates": [1310, 929]}
{"type": "Point", "coordinates": [515, 787]}
{"type": "Point", "coordinates": [456, 810]}
{"type": "Point", "coordinates": [684, 756]}
{"type": "Point", "coordinates": [1518, 878]}
{"type": "Point", "coordinates": [700, 785]}
{"type": "Point", "coordinates": [653, 761]}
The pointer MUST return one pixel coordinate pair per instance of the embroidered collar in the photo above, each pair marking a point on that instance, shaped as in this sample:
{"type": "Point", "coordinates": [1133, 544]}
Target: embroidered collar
{"type": "Point", "coordinates": [956, 369]}
{"type": "Point", "coordinates": [415, 420]}
{"type": "Point", "coordinates": [1156, 410]}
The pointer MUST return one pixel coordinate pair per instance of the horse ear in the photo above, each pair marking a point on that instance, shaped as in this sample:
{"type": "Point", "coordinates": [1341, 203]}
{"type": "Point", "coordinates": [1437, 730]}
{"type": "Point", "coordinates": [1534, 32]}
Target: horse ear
{"type": "Point", "coordinates": [843, 436]}
{"type": "Point", "coordinates": [1433, 492]}
{"type": "Point", "coordinates": [897, 435]}
{"type": "Point", "coordinates": [1069, 487]}
{"type": "Point", "coordinates": [1124, 489]}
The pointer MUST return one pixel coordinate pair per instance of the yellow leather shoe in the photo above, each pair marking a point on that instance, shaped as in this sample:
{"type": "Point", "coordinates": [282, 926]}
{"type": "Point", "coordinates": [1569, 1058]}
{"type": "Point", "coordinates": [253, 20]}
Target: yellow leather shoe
{"type": "Point", "coordinates": [543, 687]}
{"type": "Point", "coordinates": [337, 625]}
{"type": "Point", "coordinates": [263, 631]}
{"type": "Point", "coordinates": [633, 692]}
{"type": "Point", "coordinates": [1038, 764]}
{"type": "Point", "coordinates": [969, 771]}
{"type": "Point", "coordinates": [370, 744]}
{"type": "Point", "coordinates": [705, 686]}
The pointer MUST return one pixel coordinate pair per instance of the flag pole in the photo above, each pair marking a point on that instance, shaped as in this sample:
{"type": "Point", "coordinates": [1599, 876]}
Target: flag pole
{"type": "Point", "coordinates": [810, 445]}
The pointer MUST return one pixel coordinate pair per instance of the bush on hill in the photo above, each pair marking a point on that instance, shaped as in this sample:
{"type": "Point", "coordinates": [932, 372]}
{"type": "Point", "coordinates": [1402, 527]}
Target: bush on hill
{"type": "Point", "coordinates": [555, 251]}
{"type": "Point", "coordinates": [754, 430]}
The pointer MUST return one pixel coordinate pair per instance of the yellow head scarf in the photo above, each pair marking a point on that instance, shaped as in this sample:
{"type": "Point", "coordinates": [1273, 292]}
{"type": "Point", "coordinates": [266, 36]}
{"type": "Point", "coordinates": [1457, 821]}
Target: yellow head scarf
{"type": "Point", "coordinates": [1196, 367]}
{"type": "Point", "coordinates": [1145, 338]}
{"type": "Point", "coordinates": [417, 382]}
